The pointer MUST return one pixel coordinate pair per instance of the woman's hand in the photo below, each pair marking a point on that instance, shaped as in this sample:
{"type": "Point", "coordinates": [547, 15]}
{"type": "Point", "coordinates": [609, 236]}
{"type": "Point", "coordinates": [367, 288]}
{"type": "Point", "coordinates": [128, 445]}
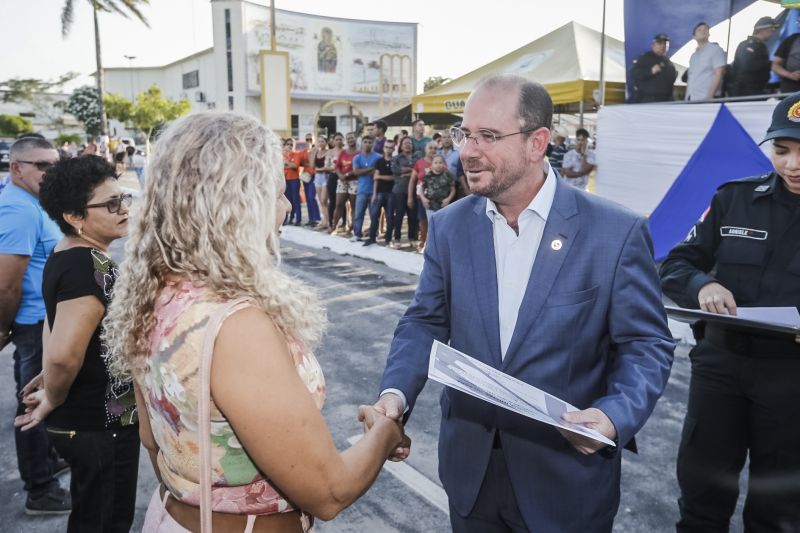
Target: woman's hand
{"type": "Point", "coordinates": [33, 385]}
{"type": "Point", "coordinates": [369, 416]}
{"type": "Point", "coordinates": [37, 407]}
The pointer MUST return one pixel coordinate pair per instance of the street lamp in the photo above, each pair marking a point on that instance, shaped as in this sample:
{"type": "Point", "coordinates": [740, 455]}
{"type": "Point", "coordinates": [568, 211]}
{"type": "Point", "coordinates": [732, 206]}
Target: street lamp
{"type": "Point", "coordinates": [130, 72]}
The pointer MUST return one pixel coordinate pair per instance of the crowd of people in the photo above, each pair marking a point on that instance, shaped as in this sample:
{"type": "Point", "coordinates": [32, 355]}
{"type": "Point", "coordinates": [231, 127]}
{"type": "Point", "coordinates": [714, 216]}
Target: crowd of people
{"type": "Point", "coordinates": [399, 181]}
{"type": "Point", "coordinates": [523, 270]}
{"type": "Point", "coordinates": [710, 76]}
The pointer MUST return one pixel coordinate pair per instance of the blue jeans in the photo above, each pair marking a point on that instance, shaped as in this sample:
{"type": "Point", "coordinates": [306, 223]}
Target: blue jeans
{"type": "Point", "coordinates": [35, 455]}
{"type": "Point", "coordinates": [293, 194]}
{"type": "Point", "coordinates": [383, 200]}
{"type": "Point", "coordinates": [362, 202]}
{"type": "Point", "coordinates": [311, 201]}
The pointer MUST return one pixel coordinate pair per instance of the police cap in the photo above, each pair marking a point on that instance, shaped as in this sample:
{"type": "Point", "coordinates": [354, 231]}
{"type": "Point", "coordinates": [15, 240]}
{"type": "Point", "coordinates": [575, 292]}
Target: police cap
{"type": "Point", "coordinates": [661, 37]}
{"type": "Point", "coordinates": [785, 119]}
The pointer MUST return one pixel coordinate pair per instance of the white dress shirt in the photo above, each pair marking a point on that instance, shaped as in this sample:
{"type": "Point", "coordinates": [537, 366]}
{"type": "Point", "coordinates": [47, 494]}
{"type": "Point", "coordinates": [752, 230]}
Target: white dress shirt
{"type": "Point", "coordinates": [514, 254]}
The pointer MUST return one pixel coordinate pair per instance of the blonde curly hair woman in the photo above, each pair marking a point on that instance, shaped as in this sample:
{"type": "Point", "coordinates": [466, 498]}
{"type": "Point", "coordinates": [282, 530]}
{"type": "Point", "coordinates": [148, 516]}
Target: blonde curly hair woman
{"type": "Point", "coordinates": [243, 438]}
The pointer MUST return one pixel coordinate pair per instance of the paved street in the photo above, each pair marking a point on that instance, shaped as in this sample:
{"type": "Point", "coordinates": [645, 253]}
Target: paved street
{"type": "Point", "coordinates": [364, 301]}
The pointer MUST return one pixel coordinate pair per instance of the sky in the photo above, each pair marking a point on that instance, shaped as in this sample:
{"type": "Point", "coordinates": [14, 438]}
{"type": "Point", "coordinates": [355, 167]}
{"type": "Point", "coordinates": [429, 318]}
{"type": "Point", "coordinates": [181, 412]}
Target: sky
{"type": "Point", "coordinates": [447, 43]}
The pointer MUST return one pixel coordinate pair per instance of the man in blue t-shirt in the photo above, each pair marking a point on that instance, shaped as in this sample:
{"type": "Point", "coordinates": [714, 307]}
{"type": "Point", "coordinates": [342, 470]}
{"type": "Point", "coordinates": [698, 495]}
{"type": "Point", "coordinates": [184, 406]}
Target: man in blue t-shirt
{"type": "Point", "coordinates": [27, 237]}
{"type": "Point", "coordinates": [364, 168]}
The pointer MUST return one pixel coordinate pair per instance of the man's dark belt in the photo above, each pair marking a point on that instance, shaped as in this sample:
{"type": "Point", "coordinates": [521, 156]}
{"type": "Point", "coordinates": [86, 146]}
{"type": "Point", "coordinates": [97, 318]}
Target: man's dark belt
{"type": "Point", "coordinates": [752, 345]}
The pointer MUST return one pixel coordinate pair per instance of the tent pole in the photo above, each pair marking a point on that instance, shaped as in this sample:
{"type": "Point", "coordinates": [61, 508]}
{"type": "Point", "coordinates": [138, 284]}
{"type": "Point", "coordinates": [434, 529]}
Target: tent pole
{"type": "Point", "coordinates": [273, 46]}
{"type": "Point", "coordinates": [602, 101]}
{"type": "Point", "coordinates": [581, 113]}
{"type": "Point", "coordinates": [730, 20]}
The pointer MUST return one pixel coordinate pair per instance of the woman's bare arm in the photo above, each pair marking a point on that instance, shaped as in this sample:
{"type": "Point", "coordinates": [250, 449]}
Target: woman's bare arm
{"type": "Point", "coordinates": [255, 384]}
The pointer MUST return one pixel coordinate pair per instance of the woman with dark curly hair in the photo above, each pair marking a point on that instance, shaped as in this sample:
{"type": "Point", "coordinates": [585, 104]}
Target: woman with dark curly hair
{"type": "Point", "coordinates": [91, 418]}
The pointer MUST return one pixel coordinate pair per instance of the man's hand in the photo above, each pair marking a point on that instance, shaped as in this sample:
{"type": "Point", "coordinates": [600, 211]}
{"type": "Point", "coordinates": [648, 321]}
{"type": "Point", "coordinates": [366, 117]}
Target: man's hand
{"type": "Point", "coordinates": [655, 69]}
{"type": "Point", "coordinates": [391, 406]}
{"type": "Point", "coordinates": [591, 418]}
{"type": "Point", "coordinates": [369, 415]}
{"type": "Point", "coordinates": [714, 298]}
{"type": "Point", "coordinates": [37, 407]}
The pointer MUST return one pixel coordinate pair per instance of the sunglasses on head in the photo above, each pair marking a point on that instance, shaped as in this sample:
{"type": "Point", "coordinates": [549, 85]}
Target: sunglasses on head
{"type": "Point", "coordinates": [40, 165]}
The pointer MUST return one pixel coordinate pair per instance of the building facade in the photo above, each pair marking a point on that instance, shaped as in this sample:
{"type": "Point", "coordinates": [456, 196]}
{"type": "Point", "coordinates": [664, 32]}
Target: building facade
{"type": "Point", "coordinates": [343, 72]}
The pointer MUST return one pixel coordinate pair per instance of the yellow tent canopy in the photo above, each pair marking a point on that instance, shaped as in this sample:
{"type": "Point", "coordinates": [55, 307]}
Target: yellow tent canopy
{"type": "Point", "coordinates": [566, 61]}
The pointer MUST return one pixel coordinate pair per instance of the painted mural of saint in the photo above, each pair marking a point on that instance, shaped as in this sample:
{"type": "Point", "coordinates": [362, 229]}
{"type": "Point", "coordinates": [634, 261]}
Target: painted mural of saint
{"type": "Point", "coordinates": [327, 56]}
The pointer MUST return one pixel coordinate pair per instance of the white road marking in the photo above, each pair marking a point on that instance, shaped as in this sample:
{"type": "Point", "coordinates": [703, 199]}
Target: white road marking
{"type": "Point", "coordinates": [420, 484]}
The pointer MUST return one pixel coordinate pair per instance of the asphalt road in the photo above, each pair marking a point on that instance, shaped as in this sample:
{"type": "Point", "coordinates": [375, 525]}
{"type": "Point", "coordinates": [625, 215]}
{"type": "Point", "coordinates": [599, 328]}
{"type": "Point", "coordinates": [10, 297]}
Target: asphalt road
{"type": "Point", "coordinates": [364, 300]}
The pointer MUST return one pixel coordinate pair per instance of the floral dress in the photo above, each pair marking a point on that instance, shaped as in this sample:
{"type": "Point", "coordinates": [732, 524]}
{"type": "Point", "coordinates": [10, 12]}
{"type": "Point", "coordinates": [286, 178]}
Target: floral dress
{"type": "Point", "coordinates": [170, 386]}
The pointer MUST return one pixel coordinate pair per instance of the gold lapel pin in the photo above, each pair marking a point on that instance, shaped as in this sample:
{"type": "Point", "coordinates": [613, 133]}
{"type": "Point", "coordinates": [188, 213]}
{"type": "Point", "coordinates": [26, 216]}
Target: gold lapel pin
{"type": "Point", "coordinates": [556, 244]}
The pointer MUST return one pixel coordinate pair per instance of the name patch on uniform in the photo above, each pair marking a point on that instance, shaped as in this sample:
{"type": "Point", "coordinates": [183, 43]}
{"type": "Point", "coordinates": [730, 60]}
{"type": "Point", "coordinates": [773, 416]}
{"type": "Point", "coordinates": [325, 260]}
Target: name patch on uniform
{"type": "Point", "coordinates": [745, 233]}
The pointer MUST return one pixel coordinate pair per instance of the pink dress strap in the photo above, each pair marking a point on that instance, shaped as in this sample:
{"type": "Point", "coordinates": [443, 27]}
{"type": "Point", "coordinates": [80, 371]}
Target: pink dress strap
{"type": "Point", "coordinates": [204, 406]}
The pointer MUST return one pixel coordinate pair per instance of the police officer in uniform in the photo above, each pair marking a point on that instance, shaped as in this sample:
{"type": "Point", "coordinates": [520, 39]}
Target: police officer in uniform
{"type": "Point", "coordinates": [744, 395]}
{"type": "Point", "coordinates": [653, 73]}
{"type": "Point", "coordinates": [751, 65]}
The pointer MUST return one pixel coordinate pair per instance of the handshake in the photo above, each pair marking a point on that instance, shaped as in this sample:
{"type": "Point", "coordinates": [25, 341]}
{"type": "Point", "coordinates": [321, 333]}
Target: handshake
{"type": "Point", "coordinates": [386, 415]}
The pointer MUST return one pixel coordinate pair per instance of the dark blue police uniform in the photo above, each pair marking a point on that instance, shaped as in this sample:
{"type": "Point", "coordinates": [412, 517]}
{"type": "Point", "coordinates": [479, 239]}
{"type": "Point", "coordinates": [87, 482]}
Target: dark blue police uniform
{"type": "Point", "coordinates": [744, 396]}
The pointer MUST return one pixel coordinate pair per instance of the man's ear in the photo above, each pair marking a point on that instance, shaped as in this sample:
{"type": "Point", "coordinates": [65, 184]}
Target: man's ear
{"type": "Point", "coordinates": [538, 142]}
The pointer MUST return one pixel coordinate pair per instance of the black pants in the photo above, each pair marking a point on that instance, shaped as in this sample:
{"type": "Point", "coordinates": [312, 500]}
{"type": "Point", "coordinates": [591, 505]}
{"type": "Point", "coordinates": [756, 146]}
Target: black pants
{"type": "Point", "coordinates": [105, 468]}
{"type": "Point", "coordinates": [35, 455]}
{"type": "Point", "coordinates": [333, 179]}
{"type": "Point", "coordinates": [740, 404]}
{"type": "Point", "coordinates": [401, 209]}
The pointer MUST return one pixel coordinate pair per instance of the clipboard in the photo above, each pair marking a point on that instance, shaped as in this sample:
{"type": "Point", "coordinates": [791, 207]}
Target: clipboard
{"type": "Point", "coordinates": [690, 316]}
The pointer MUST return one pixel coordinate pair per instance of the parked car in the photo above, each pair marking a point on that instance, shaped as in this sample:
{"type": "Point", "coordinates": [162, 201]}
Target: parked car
{"type": "Point", "coordinates": [5, 159]}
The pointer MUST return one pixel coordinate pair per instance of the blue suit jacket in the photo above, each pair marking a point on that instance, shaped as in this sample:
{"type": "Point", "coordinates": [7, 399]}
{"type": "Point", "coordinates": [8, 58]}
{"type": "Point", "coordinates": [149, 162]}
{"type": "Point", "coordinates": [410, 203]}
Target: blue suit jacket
{"type": "Point", "coordinates": [591, 330]}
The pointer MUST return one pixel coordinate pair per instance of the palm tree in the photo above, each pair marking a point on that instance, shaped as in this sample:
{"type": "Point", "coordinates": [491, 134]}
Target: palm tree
{"type": "Point", "coordinates": [121, 7]}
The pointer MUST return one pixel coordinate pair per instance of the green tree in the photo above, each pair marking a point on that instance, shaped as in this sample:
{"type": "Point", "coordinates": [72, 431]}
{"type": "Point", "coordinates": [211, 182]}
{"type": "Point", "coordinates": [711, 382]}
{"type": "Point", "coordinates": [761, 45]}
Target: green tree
{"type": "Point", "coordinates": [84, 103]}
{"type": "Point", "coordinates": [433, 82]}
{"type": "Point", "coordinates": [39, 95]}
{"type": "Point", "coordinates": [149, 112]}
{"type": "Point", "coordinates": [67, 138]}
{"type": "Point", "coordinates": [126, 8]}
{"type": "Point", "coordinates": [13, 125]}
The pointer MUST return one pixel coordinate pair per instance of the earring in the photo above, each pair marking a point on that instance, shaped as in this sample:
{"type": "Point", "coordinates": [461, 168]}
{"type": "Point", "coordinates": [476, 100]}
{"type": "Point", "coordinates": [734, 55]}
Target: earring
{"type": "Point", "coordinates": [80, 231]}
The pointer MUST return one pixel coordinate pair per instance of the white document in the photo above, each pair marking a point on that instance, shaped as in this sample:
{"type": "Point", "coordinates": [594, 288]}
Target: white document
{"type": "Point", "coordinates": [459, 371]}
{"type": "Point", "coordinates": [785, 316]}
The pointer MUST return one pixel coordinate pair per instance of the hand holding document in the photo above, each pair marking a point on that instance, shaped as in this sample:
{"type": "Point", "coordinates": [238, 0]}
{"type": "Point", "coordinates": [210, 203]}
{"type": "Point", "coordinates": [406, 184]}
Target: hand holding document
{"type": "Point", "coordinates": [767, 319]}
{"type": "Point", "coordinates": [459, 371]}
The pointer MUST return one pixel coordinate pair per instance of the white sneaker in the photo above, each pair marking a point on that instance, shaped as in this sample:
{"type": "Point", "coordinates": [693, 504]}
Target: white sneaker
{"type": "Point", "coordinates": [355, 239]}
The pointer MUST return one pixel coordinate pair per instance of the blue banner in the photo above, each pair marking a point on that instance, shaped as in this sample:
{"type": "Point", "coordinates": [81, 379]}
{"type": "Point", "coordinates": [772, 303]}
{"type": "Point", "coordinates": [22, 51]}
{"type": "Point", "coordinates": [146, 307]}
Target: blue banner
{"type": "Point", "coordinates": [726, 153]}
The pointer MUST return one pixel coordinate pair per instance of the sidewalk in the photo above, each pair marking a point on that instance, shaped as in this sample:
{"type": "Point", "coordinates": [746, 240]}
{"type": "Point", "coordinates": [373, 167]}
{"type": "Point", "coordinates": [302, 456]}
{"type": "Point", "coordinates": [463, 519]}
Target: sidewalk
{"type": "Point", "coordinates": [409, 262]}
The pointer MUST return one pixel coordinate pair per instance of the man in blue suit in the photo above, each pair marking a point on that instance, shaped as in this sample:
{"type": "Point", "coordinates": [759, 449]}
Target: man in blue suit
{"type": "Point", "coordinates": [553, 286]}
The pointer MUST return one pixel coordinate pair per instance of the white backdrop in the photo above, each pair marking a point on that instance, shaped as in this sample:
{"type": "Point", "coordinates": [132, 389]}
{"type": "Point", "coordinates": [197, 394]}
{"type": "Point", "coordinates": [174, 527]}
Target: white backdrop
{"type": "Point", "coordinates": [642, 148]}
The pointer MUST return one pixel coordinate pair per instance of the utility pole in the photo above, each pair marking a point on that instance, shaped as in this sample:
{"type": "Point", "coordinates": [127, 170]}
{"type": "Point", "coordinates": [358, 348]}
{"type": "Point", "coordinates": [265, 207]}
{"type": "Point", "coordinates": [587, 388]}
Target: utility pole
{"type": "Point", "coordinates": [130, 73]}
{"type": "Point", "coordinates": [603, 59]}
{"type": "Point", "coordinates": [272, 25]}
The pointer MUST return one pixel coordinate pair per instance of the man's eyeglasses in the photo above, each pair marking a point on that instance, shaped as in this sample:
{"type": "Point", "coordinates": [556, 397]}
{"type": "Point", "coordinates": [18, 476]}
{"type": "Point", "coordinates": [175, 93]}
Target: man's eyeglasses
{"type": "Point", "coordinates": [115, 204]}
{"type": "Point", "coordinates": [484, 137]}
{"type": "Point", "coordinates": [40, 165]}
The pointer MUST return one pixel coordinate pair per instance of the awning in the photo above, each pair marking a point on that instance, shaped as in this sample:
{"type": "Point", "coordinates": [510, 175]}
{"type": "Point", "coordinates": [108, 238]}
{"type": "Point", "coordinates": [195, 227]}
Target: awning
{"type": "Point", "coordinates": [566, 61]}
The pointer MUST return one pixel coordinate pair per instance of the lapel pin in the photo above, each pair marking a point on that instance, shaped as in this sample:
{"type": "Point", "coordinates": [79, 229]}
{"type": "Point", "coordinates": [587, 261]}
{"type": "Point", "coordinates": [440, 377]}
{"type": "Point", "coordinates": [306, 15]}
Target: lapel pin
{"type": "Point", "coordinates": [556, 245]}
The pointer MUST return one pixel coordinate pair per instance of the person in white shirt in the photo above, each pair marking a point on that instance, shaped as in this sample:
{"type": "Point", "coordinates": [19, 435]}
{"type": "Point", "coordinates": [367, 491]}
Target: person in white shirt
{"type": "Point", "coordinates": [579, 162]}
{"type": "Point", "coordinates": [706, 66]}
